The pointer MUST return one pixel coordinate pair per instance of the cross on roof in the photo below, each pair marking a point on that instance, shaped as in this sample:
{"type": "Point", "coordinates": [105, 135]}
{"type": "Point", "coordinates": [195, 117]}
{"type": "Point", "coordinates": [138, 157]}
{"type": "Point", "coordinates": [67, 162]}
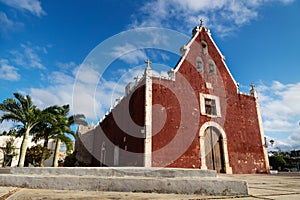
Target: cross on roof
{"type": "Point", "coordinates": [252, 86]}
{"type": "Point", "coordinates": [201, 22]}
{"type": "Point", "coordinates": [148, 62]}
{"type": "Point", "coordinates": [136, 78]}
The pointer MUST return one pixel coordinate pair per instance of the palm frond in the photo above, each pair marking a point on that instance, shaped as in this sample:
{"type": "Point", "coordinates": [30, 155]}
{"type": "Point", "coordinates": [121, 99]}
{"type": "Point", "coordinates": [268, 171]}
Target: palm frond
{"type": "Point", "coordinates": [11, 117]}
{"type": "Point", "coordinates": [78, 119]}
{"type": "Point", "coordinates": [68, 142]}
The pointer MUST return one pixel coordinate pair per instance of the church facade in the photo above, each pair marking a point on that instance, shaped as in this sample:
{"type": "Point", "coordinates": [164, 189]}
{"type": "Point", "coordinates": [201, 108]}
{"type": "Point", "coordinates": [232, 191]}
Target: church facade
{"type": "Point", "coordinates": [194, 118]}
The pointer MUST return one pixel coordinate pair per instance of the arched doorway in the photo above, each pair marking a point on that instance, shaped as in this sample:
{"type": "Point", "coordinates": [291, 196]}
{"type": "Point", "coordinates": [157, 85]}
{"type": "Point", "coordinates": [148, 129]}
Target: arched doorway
{"type": "Point", "coordinates": [212, 133]}
{"type": "Point", "coordinates": [214, 154]}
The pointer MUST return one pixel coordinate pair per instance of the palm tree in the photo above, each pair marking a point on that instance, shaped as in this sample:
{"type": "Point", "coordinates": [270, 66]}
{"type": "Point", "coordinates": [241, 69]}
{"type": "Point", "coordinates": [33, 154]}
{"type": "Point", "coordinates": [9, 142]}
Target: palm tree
{"type": "Point", "coordinates": [62, 127]}
{"type": "Point", "coordinates": [45, 130]}
{"type": "Point", "coordinates": [21, 110]}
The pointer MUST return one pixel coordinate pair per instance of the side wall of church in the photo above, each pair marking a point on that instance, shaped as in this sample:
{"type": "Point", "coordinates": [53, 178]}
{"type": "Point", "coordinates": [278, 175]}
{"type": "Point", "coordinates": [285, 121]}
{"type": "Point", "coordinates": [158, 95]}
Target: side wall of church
{"type": "Point", "coordinates": [119, 139]}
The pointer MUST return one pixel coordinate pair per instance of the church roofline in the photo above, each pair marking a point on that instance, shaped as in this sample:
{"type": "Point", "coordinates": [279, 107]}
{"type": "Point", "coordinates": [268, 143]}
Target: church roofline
{"type": "Point", "coordinates": [235, 83]}
{"type": "Point", "coordinates": [196, 32]}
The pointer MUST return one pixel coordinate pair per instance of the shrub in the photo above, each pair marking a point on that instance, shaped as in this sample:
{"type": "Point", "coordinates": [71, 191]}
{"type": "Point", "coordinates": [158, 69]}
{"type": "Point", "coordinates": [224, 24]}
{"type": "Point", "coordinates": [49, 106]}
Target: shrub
{"type": "Point", "coordinates": [34, 155]}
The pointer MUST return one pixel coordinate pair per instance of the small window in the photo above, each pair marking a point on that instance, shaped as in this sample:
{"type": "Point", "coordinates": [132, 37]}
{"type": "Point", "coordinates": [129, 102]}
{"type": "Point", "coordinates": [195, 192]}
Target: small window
{"type": "Point", "coordinates": [199, 64]}
{"type": "Point", "coordinates": [204, 47]}
{"type": "Point", "coordinates": [212, 67]}
{"type": "Point", "coordinates": [210, 105]}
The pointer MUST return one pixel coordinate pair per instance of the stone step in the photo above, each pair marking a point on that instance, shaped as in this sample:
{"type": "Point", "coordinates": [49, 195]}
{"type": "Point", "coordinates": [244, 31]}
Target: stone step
{"type": "Point", "coordinates": [4, 170]}
{"type": "Point", "coordinates": [116, 171]}
{"type": "Point", "coordinates": [180, 185]}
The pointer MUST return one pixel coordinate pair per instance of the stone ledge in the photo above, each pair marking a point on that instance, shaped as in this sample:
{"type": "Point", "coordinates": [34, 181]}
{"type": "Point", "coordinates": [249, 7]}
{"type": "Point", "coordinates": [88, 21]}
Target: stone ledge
{"type": "Point", "coordinates": [201, 186]}
{"type": "Point", "coordinates": [116, 171]}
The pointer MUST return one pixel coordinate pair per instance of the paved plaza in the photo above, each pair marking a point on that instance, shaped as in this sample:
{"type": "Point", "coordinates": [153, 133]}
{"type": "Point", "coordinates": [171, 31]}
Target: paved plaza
{"type": "Point", "coordinates": [261, 186]}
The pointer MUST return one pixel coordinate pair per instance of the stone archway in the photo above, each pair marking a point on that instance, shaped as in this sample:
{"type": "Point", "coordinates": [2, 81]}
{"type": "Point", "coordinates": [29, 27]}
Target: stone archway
{"type": "Point", "coordinates": [214, 156]}
{"type": "Point", "coordinates": [213, 146]}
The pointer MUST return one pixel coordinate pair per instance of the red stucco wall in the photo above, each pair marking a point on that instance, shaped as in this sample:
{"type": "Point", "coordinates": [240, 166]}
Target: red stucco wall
{"type": "Point", "coordinates": [123, 128]}
{"type": "Point", "coordinates": [177, 119]}
{"type": "Point", "coordinates": [180, 110]}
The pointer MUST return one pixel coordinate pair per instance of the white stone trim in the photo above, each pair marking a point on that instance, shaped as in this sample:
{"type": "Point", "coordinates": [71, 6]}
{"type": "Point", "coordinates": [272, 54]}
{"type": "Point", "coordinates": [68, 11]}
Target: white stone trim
{"type": "Point", "coordinates": [116, 155]}
{"type": "Point", "coordinates": [261, 129]}
{"type": "Point", "coordinates": [148, 119]}
{"type": "Point", "coordinates": [187, 49]}
{"type": "Point", "coordinates": [202, 104]}
{"type": "Point", "coordinates": [208, 85]}
{"type": "Point", "coordinates": [228, 169]}
{"type": "Point", "coordinates": [223, 60]}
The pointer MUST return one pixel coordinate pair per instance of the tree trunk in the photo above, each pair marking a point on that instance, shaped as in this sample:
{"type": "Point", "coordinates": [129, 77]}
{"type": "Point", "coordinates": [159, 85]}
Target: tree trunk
{"type": "Point", "coordinates": [56, 153]}
{"type": "Point", "coordinates": [23, 149]}
{"type": "Point", "coordinates": [45, 146]}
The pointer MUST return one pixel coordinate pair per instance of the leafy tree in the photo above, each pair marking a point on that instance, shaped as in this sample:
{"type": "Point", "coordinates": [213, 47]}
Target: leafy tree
{"type": "Point", "coordinates": [61, 127]}
{"type": "Point", "coordinates": [22, 111]}
{"type": "Point", "coordinates": [11, 132]}
{"type": "Point", "coordinates": [51, 123]}
{"type": "Point", "coordinates": [8, 152]}
{"type": "Point", "coordinates": [277, 162]}
{"type": "Point", "coordinates": [71, 161]}
{"type": "Point", "coordinates": [35, 153]}
{"type": "Point", "coordinates": [46, 130]}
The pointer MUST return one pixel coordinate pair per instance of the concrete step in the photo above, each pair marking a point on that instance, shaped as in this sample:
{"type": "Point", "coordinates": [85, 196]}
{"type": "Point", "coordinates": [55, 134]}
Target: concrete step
{"type": "Point", "coordinates": [4, 170]}
{"type": "Point", "coordinates": [203, 186]}
{"type": "Point", "coordinates": [158, 180]}
{"type": "Point", "coordinates": [116, 171]}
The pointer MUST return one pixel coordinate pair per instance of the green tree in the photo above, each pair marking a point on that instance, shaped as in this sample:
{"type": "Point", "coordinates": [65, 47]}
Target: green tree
{"type": "Point", "coordinates": [62, 127]}
{"type": "Point", "coordinates": [46, 129]}
{"type": "Point", "coordinates": [34, 154]}
{"type": "Point", "coordinates": [8, 152]}
{"type": "Point", "coordinates": [21, 110]}
{"type": "Point", "coordinates": [11, 132]}
{"type": "Point", "coordinates": [277, 162]}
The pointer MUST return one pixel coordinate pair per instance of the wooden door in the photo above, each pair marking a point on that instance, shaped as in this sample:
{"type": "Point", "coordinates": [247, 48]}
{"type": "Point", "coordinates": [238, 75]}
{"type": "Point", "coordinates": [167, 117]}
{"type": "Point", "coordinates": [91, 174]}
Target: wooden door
{"type": "Point", "coordinates": [214, 155]}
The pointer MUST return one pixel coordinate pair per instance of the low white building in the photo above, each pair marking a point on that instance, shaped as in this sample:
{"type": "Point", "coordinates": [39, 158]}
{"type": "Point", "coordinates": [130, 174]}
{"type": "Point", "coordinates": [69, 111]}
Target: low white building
{"type": "Point", "coordinates": [17, 144]}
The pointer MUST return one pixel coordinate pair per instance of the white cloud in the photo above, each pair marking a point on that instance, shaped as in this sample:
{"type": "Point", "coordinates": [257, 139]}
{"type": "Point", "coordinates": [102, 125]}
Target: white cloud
{"type": "Point", "coordinates": [281, 112]}
{"type": "Point", "coordinates": [280, 101]}
{"type": "Point", "coordinates": [129, 54]}
{"type": "Point", "coordinates": [4, 21]}
{"type": "Point", "coordinates": [66, 65]}
{"type": "Point", "coordinates": [288, 143]}
{"type": "Point", "coordinates": [8, 72]}
{"type": "Point", "coordinates": [58, 77]}
{"type": "Point", "coordinates": [221, 15]}
{"type": "Point", "coordinates": [32, 6]}
{"type": "Point", "coordinates": [87, 74]}
{"type": "Point", "coordinates": [82, 90]}
{"type": "Point", "coordinates": [29, 56]}
{"type": "Point", "coordinates": [6, 125]}
{"type": "Point", "coordinates": [7, 25]}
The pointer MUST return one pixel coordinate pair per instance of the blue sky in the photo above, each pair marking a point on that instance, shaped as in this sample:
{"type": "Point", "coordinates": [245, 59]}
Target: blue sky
{"type": "Point", "coordinates": [44, 43]}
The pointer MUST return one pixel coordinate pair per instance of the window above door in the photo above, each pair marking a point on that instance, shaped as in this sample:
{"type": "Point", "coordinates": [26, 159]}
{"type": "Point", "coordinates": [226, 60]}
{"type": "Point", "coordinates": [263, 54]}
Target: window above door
{"type": "Point", "coordinates": [210, 105]}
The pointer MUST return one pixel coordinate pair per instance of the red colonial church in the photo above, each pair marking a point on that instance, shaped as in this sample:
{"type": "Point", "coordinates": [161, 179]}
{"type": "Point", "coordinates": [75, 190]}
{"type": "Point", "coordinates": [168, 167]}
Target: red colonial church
{"type": "Point", "coordinates": [194, 118]}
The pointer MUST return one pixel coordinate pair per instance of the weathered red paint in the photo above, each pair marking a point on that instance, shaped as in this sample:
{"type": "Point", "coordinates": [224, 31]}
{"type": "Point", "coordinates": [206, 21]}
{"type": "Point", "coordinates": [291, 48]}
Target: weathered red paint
{"type": "Point", "coordinates": [239, 114]}
{"type": "Point", "coordinates": [176, 118]}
